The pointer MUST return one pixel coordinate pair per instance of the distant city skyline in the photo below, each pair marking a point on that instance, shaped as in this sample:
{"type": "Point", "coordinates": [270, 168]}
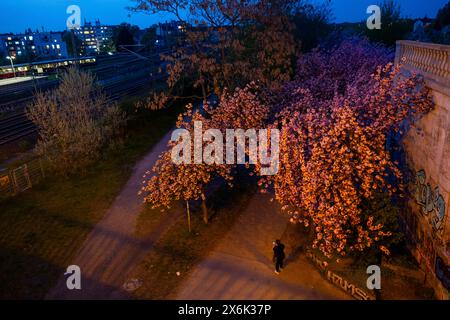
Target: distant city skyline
{"type": "Point", "coordinates": [19, 15]}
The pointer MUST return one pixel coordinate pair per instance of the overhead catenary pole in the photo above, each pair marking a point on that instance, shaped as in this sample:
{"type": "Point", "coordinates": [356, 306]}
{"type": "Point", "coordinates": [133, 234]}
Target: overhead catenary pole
{"type": "Point", "coordinates": [12, 64]}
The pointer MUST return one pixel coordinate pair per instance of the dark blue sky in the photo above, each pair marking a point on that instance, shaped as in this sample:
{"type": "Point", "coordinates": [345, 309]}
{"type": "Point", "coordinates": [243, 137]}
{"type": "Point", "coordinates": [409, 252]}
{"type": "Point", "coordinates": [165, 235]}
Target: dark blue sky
{"type": "Point", "coordinates": [17, 15]}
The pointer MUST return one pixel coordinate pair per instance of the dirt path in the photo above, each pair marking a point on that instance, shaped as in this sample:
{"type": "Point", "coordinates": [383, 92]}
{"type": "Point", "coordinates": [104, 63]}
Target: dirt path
{"type": "Point", "coordinates": [239, 268]}
{"type": "Point", "coordinates": [241, 265]}
{"type": "Point", "coordinates": [111, 250]}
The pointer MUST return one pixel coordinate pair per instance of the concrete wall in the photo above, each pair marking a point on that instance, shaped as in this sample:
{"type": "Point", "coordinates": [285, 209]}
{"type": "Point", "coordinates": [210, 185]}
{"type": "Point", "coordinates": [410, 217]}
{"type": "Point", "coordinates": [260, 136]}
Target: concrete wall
{"type": "Point", "coordinates": [428, 150]}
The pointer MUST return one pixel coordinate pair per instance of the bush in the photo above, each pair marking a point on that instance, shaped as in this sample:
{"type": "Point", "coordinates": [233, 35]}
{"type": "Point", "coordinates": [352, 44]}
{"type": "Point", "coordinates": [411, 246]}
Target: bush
{"type": "Point", "coordinates": [74, 121]}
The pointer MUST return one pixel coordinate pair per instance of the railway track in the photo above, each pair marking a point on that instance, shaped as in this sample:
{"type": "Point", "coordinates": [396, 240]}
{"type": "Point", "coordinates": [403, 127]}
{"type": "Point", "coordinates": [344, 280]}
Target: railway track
{"type": "Point", "coordinates": [109, 74]}
{"type": "Point", "coordinates": [17, 126]}
{"type": "Point", "coordinates": [15, 95]}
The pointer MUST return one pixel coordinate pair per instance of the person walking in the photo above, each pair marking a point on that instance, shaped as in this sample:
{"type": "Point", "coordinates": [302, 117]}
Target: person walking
{"type": "Point", "coordinates": [278, 255]}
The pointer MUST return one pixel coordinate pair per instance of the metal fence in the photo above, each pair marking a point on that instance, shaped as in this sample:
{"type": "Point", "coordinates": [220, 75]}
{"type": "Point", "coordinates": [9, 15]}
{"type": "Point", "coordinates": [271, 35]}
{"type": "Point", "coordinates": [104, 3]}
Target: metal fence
{"type": "Point", "coordinates": [21, 178]}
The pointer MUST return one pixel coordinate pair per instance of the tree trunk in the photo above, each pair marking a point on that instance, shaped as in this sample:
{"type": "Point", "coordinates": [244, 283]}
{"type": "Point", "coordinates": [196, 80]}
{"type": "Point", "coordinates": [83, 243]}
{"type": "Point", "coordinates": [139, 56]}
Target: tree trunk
{"type": "Point", "coordinates": [204, 92]}
{"type": "Point", "coordinates": [204, 209]}
{"type": "Point", "coordinates": [188, 216]}
{"type": "Point", "coordinates": [379, 262]}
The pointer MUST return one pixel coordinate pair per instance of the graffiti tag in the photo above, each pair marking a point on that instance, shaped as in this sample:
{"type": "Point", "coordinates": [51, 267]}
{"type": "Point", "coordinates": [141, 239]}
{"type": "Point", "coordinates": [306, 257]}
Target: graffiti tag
{"type": "Point", "coordinates": [337, 280]}
{"type": "Point", "coordinates": [431, 202]}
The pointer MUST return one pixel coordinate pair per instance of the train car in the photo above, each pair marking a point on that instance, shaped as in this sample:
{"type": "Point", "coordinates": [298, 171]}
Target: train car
{"type": "Point", "coordinates": [43, 67]}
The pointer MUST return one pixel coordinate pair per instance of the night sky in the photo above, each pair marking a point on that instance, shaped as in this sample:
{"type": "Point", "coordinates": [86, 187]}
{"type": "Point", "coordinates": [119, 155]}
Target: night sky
{"type": "Point", "coordinates": [17, 15]}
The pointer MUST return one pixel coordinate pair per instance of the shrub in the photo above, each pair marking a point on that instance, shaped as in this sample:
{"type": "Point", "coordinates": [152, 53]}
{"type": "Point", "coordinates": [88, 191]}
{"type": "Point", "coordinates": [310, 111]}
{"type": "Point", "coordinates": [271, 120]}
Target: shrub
{"type": "Point", "coordinates": [74, 121]}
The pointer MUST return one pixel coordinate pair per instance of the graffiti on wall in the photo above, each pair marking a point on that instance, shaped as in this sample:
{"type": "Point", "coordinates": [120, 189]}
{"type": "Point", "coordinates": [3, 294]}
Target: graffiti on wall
{"type": "Point", "coordinates": [443, 272]}
{"type": "Point", "coordinates": [427, 251]}
{"type": "Point", "coordinates": [337, 280]}
{"type": "Point", "coordinates": [431, 202]}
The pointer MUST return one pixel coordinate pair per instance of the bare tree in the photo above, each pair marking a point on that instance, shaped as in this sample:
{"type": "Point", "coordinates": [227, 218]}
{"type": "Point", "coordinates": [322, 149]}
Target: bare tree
{"type": "Point", "coordinates": [74, 121]}
{"type": "Point", "coordinates": [228, 43]}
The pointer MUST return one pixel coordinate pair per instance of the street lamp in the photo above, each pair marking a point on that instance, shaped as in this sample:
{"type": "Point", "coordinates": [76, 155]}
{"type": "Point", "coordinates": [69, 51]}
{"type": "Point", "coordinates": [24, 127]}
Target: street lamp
{"type": "Point", "coordinates": [12, 64]}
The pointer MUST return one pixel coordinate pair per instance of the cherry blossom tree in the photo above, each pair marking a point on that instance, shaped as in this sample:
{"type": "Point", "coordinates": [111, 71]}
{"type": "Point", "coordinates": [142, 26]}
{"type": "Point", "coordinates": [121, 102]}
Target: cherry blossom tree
{"type": "Point", "coordinates": [333, 154]}
{"type": "Point", "coordinates": [335, 118]}
{"type": "Point", "coordinates": [246, 108]}
{"type": "Point", "coordinates": [326, 71]}
{"type": "Point", "coordinates": [170, 181]}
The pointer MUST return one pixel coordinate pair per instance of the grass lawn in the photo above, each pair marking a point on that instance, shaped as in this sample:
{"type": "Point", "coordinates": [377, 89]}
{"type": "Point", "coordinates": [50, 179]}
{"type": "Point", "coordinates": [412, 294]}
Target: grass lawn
{"type": "Point", "coordinates": [42, 228]}
{"type": "Point", "coordinates": [178, 250]}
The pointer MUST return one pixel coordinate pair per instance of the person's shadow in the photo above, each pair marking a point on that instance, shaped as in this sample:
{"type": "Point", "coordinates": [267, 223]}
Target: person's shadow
{"type": "Point", "coordinates": [294, 254]}
{"type": "Point", "coordinates": [294, 238]}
